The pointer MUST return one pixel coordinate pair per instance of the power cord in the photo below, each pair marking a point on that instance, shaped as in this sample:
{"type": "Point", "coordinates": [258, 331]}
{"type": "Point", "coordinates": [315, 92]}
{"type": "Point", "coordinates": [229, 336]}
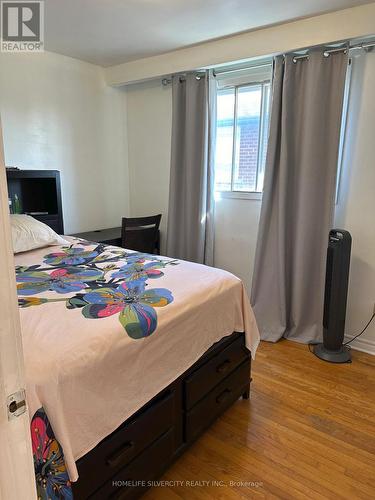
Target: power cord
{"type": "Point", "coordinates": [363, 331]}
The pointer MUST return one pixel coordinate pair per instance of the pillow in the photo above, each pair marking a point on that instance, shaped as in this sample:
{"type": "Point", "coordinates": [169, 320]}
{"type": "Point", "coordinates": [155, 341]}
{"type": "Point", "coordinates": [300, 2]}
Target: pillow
{"type": "Point", "coordinates": [29, 233]}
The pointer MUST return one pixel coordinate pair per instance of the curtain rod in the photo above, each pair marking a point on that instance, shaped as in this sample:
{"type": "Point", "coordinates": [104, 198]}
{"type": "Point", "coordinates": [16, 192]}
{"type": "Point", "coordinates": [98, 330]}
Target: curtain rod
{"type": "Point", "coordinates": [364, 46]}
{"type": "Point", "coordinates": [167, 81]}
{"type": "Point", "coordinates": [367, 46]}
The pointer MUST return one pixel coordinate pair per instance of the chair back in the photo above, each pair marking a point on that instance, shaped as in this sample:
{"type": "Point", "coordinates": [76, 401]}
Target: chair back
{"type": "Point", "coordinates": [141, 233]}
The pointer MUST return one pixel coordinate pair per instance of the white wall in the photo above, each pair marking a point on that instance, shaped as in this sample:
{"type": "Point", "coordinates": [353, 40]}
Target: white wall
{"type": "Point", "coordinates": [236, 229]}
{"type": "Point", "coordinates": [58, 113]}
{"type": "Point", "coordinates": [356, 207]}
{"type": "Point", "coordinates": [149, 115]}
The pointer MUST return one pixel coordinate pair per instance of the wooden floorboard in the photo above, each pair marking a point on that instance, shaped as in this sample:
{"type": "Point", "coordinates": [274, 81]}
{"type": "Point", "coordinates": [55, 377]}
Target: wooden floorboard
{"type": "Point", "coordinates": [308, 432]}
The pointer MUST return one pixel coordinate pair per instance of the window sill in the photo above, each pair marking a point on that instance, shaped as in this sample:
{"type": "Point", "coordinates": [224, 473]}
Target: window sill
{"type": "Point", "coordinates": [238, 195]}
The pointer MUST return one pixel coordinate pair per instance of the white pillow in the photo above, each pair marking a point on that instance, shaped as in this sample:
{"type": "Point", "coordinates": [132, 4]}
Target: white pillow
{"type": "Point", "coordinates": [29, 233]}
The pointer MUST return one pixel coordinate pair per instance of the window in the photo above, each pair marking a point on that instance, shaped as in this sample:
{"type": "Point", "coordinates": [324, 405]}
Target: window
{"type": "Point", "coordinates": [242, 131]}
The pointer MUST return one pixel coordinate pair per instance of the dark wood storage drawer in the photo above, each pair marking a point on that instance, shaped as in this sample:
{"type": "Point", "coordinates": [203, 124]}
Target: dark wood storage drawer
{"type": "Point", "coordinates": [220, 398]}
{"type": "Point", "coordinates": [128, 441]}
{"type": "Point", "coordinates": [202, 380]}
{"type": "Point", "coordinates": [146, 467]}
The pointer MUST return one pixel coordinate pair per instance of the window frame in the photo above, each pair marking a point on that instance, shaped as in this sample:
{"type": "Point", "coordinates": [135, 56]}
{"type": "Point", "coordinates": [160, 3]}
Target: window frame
{"type": "Point", "coordinates": [239, 195]}
{"type": "Point", "coordinates": [344, 122]}
{"type": "Point", "coordinates": [260, 75]}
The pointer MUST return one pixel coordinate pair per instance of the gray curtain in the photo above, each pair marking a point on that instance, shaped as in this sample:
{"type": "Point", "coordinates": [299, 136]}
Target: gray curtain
{"type": "Point", "coordinates": [190, 215]}
{"type": "Point", "coordinates": [299, 193]}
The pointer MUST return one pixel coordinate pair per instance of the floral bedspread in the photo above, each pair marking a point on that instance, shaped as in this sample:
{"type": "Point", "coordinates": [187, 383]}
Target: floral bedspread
{"type": "Point", "coordinates": [52, 480]}
{"type": "Point", "coordinates": [104, 330]}
{"type": "Point", "coordinates": [84, 273]}
{"type": "Point", "coordinates": [76, 270]}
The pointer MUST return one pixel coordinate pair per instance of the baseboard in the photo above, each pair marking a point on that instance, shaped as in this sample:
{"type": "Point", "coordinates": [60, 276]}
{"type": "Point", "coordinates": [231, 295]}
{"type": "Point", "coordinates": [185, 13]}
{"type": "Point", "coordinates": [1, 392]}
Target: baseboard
{"type": "Point", "coordinates": [362, 345]}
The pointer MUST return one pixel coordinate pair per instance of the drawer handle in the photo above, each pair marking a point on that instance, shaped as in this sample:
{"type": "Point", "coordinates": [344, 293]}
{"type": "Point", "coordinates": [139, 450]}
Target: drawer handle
{"type": "Point", "coordinates": [119, 456]}
{"type": "Point", "coordinates": [223, 396]}
{"type": "Point", "coordinates": [223, 367]}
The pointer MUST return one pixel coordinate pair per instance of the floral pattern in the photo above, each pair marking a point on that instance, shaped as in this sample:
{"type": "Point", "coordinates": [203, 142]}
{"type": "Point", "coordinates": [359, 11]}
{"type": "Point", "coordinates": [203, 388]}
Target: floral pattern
{"type": "Point", "coordinates": [64, 280]}
{"type": "Point", "coordinates": [31, 301]}
{"type": "Point", "coordinates": [71, 257]}
{"type": "Point", "coordinates": [104, 281]}
{"type": "Point", "coordinates": [140, 271]}
{"type": "Point", "coordinates": [52, 479]}
{"type": "Point", "coordinates": [134, 304]}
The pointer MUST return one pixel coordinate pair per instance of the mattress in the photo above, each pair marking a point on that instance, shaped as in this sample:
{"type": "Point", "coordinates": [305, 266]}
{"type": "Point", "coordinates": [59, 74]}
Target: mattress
{"type": "Point", "coordinates": [105, 329]}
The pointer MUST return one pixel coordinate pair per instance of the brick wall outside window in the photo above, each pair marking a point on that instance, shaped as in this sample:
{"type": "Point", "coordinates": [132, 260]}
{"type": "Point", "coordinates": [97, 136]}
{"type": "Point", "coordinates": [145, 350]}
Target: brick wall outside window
{"type": "Point", "coordinates": [248, 153]}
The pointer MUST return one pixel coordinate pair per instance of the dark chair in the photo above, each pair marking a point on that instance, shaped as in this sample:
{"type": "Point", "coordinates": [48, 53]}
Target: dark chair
{"type": "Point", "coordinates": [141, 234]}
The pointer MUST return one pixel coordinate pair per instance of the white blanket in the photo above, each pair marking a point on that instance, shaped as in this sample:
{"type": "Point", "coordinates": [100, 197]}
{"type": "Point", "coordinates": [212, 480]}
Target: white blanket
{"type": "Point", "coordinates": [104, 330]}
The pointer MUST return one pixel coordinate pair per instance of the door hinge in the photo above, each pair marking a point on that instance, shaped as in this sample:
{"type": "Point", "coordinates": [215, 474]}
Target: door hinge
{"type": "Point", "coordinates": [16, 404]}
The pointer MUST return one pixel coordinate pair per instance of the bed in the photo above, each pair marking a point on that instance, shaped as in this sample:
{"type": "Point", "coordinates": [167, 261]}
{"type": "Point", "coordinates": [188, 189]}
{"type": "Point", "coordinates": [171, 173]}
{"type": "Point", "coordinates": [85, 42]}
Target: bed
{"type": "Point", "coordinates": [128, 358]}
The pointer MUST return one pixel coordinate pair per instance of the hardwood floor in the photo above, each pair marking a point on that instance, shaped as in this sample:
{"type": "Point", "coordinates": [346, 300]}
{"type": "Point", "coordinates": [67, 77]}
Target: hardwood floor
{"type": "Point", "coordinates": [307, 432]}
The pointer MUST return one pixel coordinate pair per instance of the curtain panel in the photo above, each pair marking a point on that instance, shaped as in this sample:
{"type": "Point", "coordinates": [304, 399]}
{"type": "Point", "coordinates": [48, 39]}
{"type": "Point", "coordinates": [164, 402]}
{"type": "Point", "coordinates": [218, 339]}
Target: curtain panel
{"type": "Point", "coordinates": [191, 195]}
{"type": "Point", "coordinates": [299, 194]}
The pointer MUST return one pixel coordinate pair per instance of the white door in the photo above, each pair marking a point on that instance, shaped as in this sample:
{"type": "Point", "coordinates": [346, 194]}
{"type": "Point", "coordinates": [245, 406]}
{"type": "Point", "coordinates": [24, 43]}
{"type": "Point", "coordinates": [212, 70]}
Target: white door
{"type": "Point", "coordinates": [17, 480]}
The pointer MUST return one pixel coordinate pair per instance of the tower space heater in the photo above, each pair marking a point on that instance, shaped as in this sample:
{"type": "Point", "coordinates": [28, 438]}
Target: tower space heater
{"type": "Point", "coordinates": [335, 297]}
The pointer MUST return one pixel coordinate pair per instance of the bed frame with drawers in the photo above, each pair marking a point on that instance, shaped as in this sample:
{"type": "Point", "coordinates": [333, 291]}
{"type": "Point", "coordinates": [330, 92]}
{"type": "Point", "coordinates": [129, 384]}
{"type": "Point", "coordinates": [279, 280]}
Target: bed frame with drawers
{"type": "Point", "coordinates": [146, 444]}
{"type": "Point", "coordinates": [142, 448]}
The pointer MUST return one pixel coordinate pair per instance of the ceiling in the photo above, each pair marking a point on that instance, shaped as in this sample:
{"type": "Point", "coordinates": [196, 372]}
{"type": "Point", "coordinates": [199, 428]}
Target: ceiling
{"type": "Point", "coordinates": [108, 32]}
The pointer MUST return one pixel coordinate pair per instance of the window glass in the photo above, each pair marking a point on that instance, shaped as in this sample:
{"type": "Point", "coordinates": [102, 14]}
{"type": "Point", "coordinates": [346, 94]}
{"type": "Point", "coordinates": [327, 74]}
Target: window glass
{"type": "Point", "coordinates": [224, 139]}
{"type": "Point", "coordinates": [242, 135]}
{"type": "Point", "coordinates": [248, 121]}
